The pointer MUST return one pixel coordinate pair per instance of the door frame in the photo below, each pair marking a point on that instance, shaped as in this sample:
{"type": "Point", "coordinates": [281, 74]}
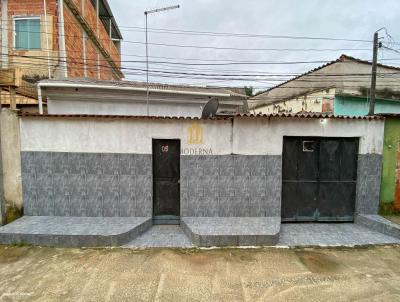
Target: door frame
{"type": "Point", "coordinates": [166, 219]}
{"type": "Point", "coordinates": [318, 180]}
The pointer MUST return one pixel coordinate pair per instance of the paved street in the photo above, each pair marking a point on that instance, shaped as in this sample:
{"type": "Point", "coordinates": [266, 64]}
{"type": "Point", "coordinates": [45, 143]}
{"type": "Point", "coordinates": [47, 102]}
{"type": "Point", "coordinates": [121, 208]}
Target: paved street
{"type": "Point", "coordinates": [336, 274]}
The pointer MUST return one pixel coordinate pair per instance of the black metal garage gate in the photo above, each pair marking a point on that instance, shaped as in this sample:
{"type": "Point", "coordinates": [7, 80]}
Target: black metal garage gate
{"type": "Point", "coordinates": [319, 178]}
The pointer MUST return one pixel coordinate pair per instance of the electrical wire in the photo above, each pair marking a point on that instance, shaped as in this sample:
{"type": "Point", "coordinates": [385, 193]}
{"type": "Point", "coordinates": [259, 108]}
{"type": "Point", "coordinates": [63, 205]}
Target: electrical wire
{"type": "Point", "coordinates": [214, 47]}
{"type": "Point", "coordinates": [218, 34]}
{"type": "Point", "coordinates": [172, 71]}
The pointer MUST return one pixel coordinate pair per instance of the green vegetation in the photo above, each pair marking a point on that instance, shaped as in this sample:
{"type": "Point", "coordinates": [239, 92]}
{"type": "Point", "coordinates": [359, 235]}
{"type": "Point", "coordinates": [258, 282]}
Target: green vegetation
{"type": "Point", "coordinates": [390, 146]}
{"type": "Point", "coordinates": [387, 209]}
{"type": "Point", "coordinates": [12, 213]}
{"type": "Point", "coordinates": [248, 90]}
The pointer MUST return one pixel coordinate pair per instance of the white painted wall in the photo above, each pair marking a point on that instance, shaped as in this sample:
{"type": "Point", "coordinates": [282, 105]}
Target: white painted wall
{"type": "Point", "coordinates": [265, 136]}
{"type": "Point", "coordinates": [116, 102]}
{"type": "Point", "coordinates": [118, 135]}
{"type": "Point", "coordinates": [317, 80]}
{"type": "Point", "coordinates": [312, 102]}
{"type": "Point", "coordinates": [114, 107]}
{"type": "Point", "coordinates": [249, 136]}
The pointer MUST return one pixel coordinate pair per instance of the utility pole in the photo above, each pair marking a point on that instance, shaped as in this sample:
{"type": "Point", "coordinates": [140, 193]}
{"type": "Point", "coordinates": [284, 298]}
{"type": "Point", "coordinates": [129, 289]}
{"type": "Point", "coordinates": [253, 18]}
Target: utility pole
{"type": "Point", "coordinates": [147, 48]}
{"type": "Point", "coordinates": [373, 76]}
{"type": "Point", "coordinates": [147, 69]}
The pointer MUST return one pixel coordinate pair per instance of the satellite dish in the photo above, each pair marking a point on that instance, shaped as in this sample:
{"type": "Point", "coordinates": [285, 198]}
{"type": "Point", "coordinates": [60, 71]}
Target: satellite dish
{"type": "Point", "coordinates": [210, 109]}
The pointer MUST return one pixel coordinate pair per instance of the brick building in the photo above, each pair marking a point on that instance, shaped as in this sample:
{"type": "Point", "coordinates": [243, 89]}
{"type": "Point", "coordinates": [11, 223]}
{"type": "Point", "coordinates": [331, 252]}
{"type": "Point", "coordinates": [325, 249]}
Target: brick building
{"type": "Point", "coordinates": [58, 39]}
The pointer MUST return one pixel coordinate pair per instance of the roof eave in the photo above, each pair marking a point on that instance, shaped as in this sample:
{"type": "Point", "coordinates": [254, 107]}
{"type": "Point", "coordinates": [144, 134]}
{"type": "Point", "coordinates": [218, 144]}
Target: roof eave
{"type": "Point", "coordinates": [109, 11]}
{"type": "Point", "coordinates": [127, 88]}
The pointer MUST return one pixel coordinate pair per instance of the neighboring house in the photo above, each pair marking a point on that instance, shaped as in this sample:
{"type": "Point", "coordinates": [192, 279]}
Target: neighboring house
{"type": "Point", "coordinates": [82, 96]}
{"type": "Point", "coordinates": [390, 190]}
{"type": "Point", "coordinates": [58, 39]}
{"type": "Point", "coordinates": [340, 87]}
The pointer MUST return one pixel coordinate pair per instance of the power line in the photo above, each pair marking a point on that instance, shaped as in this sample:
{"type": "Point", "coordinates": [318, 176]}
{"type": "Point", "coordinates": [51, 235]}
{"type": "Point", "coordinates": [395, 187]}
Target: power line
{"type": "Point", "coordinates": [225, 62]}
{"type": "Point", "coordinates": [240, 35]}
{"type": "Point", "coordinates": [219, 34]}
{"type": "Point", "coordinates": [81, 62]}
{"type": "Point", "coordinates": [213, 47]}
{"type": "Point", "coordinates": [391, 49]}
{"type": "Point", "coordinates": [248, 49]}
{"type": "Point", "coordinates": [178, 76]}
{"type": "Point", "coordinates": [168, 62]}
{"type": "Point", "coordinates": [74, 60]}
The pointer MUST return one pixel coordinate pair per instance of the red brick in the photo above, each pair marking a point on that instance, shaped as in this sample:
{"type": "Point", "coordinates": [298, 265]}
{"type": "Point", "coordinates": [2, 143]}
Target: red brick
{"type": "Point", "coordinates": [73, 35]}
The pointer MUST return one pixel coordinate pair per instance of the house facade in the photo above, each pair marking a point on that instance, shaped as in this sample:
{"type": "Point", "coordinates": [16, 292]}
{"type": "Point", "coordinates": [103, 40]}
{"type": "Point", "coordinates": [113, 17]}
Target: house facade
{"type": "Point", "coordinates": [135, 98]}
{"type": "Point", "coordinates": [58, 39]}
{"type": "Point", "coordinates": [203, 174]}
{"type": "Point", "coordinates": [340, 87]}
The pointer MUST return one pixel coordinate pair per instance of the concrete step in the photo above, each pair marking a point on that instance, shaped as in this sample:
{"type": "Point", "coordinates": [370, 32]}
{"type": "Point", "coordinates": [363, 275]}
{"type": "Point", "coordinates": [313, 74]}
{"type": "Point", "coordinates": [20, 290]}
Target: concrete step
{"type": "Point", "coordinates": [232, 231]}
{"type": "Point", "coordinates": [74, 231]}
{"type": "Point", "coordinates": [379, 224]}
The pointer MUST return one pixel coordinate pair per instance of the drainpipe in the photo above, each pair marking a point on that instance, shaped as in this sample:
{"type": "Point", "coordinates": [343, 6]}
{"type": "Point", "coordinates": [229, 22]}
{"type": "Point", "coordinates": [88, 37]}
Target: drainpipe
{"type": "Point", "coordinates": [4, 34]}
{"type": "Point", "coordinates": [98, 36]}
{"type": "Point", "coordinates": [61, 39]}
{"type": "Point", "coordinates": [84, 38]}
{"type": "Point", "coordinates": [47, 37]}
{"type": "Point", "coordinates": [109, 46]}
{"type": "Point", "coordinates": [40, 99]}
{"type": "Point", "coordinates": [110, 34]}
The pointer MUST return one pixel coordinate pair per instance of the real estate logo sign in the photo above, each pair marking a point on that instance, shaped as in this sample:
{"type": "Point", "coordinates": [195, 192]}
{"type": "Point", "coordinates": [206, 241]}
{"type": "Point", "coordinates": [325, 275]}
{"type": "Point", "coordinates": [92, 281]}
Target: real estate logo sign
{"type": "Point", "coordinates": [195, 134]}
{"type": "Point", "coordinates": [195, 141]}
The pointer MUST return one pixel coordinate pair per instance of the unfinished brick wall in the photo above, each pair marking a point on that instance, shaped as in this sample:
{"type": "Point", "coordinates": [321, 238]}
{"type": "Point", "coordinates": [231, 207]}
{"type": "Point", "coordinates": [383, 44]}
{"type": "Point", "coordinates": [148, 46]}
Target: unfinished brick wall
{"type": "Point", "coordinates": [91, 55]}
{"type": "Point", "coordinates": [89, 15]}
{"type": "Point", "coordinates": [73, 41]}
{"type": "Point", "coordinates": [88, 12]}
{"type": "Point", "coordinates": [73, 45]}
{"type": "Point", "coordinates": [23, 58]}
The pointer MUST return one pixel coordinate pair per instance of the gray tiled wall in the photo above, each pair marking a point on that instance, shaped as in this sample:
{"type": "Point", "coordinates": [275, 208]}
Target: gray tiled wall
{"type": "Point", "coordinates": [231, 185]}
{"type": "Point", "coordinates": [94, 184]}
{"type": "Point", "coordinates": [368, 183]}
{"type": "Point", "coordinates": [87, 184]}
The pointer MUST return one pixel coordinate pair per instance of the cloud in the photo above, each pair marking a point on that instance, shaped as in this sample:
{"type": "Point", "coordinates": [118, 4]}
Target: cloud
{"type": "Point", "coordinates": [357, 19]}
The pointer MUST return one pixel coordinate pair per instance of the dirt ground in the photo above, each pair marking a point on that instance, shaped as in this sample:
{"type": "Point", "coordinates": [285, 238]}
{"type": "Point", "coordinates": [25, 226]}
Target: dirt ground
{"type": "Point", "coordinates": [394, 218]}
{"type": "Point", "coordinates": [270, 274]}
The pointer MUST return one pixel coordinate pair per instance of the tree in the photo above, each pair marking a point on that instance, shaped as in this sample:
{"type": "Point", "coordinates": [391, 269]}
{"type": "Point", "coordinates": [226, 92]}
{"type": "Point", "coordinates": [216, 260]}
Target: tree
{"type": "Point", "coordinates": [248, 90]}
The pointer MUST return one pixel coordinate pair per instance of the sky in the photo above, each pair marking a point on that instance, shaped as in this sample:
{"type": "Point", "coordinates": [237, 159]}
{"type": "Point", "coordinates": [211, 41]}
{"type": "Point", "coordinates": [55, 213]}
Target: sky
{"type": "Point", "coordinates": [338, 19]}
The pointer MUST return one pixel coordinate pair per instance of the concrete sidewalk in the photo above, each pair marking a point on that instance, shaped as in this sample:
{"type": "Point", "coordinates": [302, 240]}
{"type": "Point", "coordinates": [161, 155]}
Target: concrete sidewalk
{"type": "Point", "coordinates": [138, 232]}
{"type": "Point", "coordinates": [291, 234]}
{"type": "Point", "coordinates": [64, 231]}
{"type": "Point", "coordinates": [330, 234]}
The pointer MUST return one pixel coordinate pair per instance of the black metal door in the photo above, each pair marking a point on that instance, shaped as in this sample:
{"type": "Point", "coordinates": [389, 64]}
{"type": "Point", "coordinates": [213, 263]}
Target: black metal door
{"type": "Point", "coordinates": [166, 175]}
{"type": "Point", "coordinates": [319, 178]}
